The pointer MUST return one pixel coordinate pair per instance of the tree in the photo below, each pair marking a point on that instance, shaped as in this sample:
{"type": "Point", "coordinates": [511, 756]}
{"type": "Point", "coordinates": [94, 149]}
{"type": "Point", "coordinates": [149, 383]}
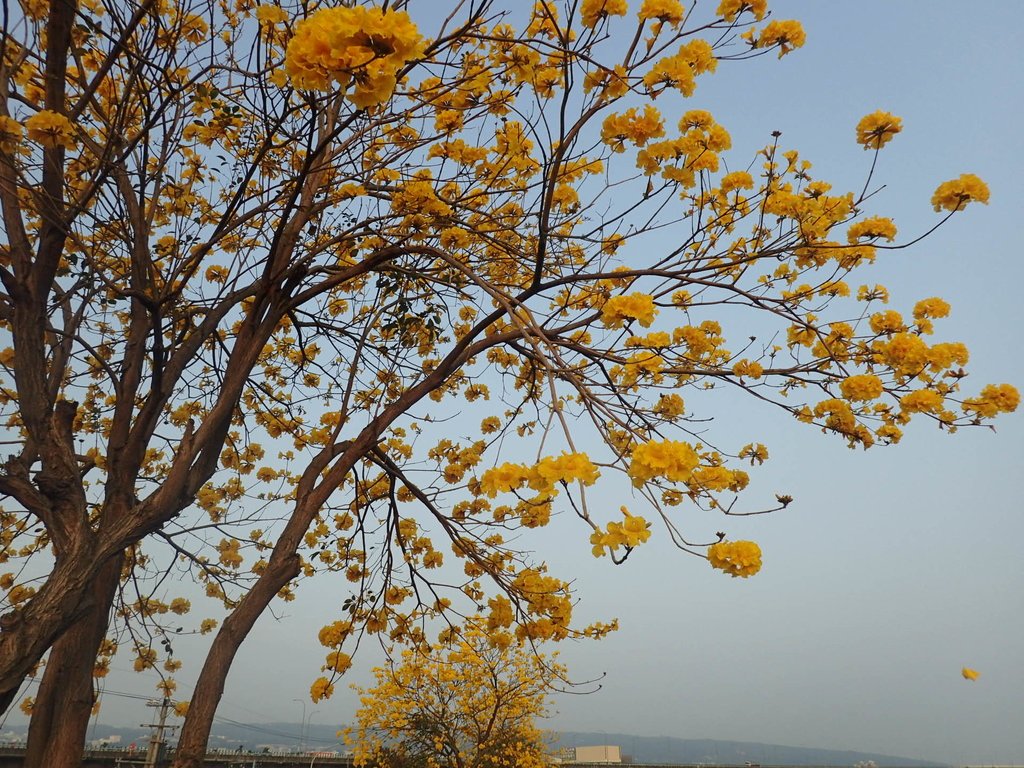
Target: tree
{"type": "Point", "coordinates": [471, 703]}
{"type": "Point", "coordinates": [258, 256]}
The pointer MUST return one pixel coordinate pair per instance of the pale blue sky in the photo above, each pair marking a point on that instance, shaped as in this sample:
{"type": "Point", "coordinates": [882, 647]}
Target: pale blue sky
{"type": "Point", "coordinates": [893, 568]}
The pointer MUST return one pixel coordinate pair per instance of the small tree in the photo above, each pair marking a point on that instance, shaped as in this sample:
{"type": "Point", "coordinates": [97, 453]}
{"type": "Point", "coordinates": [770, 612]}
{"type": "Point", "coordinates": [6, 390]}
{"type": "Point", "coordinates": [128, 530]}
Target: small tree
{"type": "Point", "coordinates": [471, 702]}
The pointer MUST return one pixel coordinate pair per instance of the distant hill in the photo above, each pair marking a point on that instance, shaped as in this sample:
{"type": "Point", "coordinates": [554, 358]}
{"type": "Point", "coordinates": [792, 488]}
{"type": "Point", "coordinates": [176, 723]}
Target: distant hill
{"type": "Point", "coordinates": [639, 749]}
{"type": "Point", "coordinates": [665, 749]}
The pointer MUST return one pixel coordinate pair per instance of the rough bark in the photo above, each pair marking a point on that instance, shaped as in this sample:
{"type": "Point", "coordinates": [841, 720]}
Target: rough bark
{"type": "Point", "coordinates": [195, 734]}
{"type": "Point", "coordinates": [27, 633]}
{"type": "Point", "coordinates": [63, 704]}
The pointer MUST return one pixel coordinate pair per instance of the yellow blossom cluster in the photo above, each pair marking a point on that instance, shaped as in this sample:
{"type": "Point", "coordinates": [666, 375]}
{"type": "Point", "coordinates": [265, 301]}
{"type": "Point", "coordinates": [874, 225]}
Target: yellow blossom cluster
{"type": "Point", "coordinates": [361, 44]}
{"type": "Point", "coordinates": [922, 401]}
{"type": "Point", "coordinates": [594, 11]}
{"type": "Point", "coordinates": [731, 9]}
{"type": "Point", "coordinates": [955, 194]}
{"type": "Point", "coordinates": [51, 129]}
{"type": "Point", "coordinates": [333, 635]}
{"type": "Point", "coordinates": [876, 130]}
{"type": "Point", "coordinates": [787, 34]}
{"type": "Point", "coordinates": [994, 399]}
{"type": "Point", "coordinates": [635, 126]}
{"type": "Point", "coordinates": [230, 556]}
{"type": "Point", "coordinates": [669, 459]}
{"type": "Point", "coordinates": [632, 531]}
{"type": "Point", "coordinates": [542, 476]}
{"type": "Point", "coordinates": [665, 11]}
{"type": "Point", "coordinates": [871, 228]}
{"type": "Point", "coordinates": [737, 558]}
{"type": "Point", "coordinates": [10, 133]}
{"type": "Point", "coordinates": [634, 306]}
{"type": "Point", "coordinates": [322, 688]}
{"type": "Point", "coordinates": [861, 387]}
{"type": "Point", "coordinates": [681, 69]}
{"type": "Point", "coordinates": [548, 602]}
{"type": "Point", "coordinates": [670, 406]}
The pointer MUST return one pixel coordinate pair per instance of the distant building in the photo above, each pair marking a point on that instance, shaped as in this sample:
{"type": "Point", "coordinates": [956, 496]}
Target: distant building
{"type": "Point", "coordinates": [604, 753]}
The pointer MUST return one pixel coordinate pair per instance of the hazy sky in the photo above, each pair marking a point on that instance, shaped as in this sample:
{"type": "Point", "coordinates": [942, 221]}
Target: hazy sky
{"type": "Point", "coordinates": [894, 567]}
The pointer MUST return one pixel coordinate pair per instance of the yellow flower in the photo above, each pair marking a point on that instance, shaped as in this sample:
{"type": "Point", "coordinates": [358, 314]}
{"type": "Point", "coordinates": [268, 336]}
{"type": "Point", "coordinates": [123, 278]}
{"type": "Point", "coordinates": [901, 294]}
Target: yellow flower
{"type": "Point", "coordinates": [566, 468]}
{"type": "Point", "coordinates": [946, 355]}
{"type": "Point", "coordinates": [506, 477]}
{"type": "Point", "coordinates": [953, 195]}
{"type": "Point", "coordinates": [51, 129]}
{"type": "Point", "coordinates": [905, 353]}
{"type": "Point", "coordinates": [872, 228]}
{"type": "Point", "coordinates": [334, 634]}
{"type": "Point", "coordinates": [863, 387]}
{"type": "Point", "coordinates": [670, 406]}
{"type": "Point", "coordinates": [362, 44]}
{"type": "Point", "coordinates": [933, 307]}
{"type": "Point", "coordinates": [756, 452]}
{"type": "Point", "coordinates": [887, 321]}
{"type": "Point", "coordinates": [670, 459]}
{"type": "Point", "coordinates": [180, 606]}
{"type": "Point", "coordinates": [631, 532]}
{"type": "Point", "coordinates": [969, 674]}
{"type": "Point", "coordinates": [787, 34]}
{"type": "Point", "coordinates": [635, 306]}
{"type": "Point", "coordinates": [994, 399]}
{"type": "Point", "coordinates": [737, 180]}
{"type": "Point", "coordinates": [145, 660]}
{"type": "Point", "coordinates": [737, 558]}
{"type": "Point", "coordinates": [594, 10]}
{"type": "Point", "coordinates": [922, 401]}
{"type": "Point", "coordinates": [217, 274]}
{"type": "Point", "coordinates": [338, 662]}
{"type": "Point", "coordinates": [749, 368]}
{"type": "Point", "coordinates": [680, 71]}
{"type": "Point", "coordinates": [270, 14]}
{"type": "Point", "coordinates": [670, 11]}
{"type": "Point", "coordinates": [322, 688]}
{"type": "Point", "coordinates": [10, 133]}
{"type": "Point", "coordinates": [632, 125]}
{"type": "Point", "coordinates": [730, 9]}
{"type": "Point", "coordinates": [876, 130]}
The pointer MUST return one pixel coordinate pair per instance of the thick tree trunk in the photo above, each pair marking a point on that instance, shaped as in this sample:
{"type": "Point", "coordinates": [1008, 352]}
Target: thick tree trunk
{"type": "Point", "coordinates": [195, 733]}
{"type": "Point", "coordinates": [27, 633]}
{"type": "Point", "coordinates": [63, 704]}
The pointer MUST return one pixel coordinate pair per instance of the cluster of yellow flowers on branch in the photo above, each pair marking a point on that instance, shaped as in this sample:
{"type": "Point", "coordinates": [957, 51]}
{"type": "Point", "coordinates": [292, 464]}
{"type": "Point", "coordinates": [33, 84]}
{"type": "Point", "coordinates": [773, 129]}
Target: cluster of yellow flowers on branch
{"type": "Point", "coordinates": [261, 254]}
{"type": "Point", "coordinates": [359, 45]}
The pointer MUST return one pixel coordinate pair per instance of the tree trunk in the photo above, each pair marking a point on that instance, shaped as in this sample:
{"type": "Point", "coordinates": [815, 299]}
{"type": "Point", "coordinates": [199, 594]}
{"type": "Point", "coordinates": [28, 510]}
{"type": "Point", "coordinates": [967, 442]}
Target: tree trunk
{"type": "Point", "coordinates": [191, 751]}
{"type": "Point", "coordinates": [27, 633]}
{"type": "Point", "coordinates": [63, 704]}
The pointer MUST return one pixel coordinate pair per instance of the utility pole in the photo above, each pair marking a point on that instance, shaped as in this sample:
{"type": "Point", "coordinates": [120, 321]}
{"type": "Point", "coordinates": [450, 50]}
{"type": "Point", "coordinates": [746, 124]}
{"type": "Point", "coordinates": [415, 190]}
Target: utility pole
{"type": "Point", "coordinates": [157, 744]}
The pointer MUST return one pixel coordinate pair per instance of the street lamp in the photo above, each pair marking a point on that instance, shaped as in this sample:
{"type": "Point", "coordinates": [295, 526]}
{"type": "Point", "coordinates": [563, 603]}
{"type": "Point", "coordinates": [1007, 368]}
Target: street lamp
{"type": "Point", "coordinates": [302, 726]}
{"type": "Point", "coordinates": [308, 722]}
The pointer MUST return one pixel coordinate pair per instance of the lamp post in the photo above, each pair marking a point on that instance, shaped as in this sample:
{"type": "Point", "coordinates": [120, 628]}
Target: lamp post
{"type": "Point", "coordinates": [308, 722]}
{"type": "Point", "coordinates": [302, 726]}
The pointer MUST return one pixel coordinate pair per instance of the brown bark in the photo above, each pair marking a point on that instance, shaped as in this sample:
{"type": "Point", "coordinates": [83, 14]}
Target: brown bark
{"type": "Point", "coordinates": [63, 704]}
{"type": "Point", "coordinates": [191, 751]}
{"type": "Point", "coordinates": [28, 632]}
